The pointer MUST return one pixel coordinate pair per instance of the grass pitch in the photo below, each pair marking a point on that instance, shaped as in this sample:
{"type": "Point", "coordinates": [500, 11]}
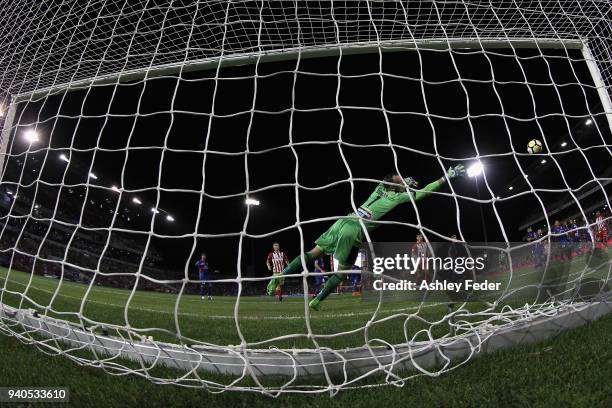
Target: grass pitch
{"type": "Point", "coordinates": [570, 370]}
{"type": "Point", "coordinates": [260, 319]}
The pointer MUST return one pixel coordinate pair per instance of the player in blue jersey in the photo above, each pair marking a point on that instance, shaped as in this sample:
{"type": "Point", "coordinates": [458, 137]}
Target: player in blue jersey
{"type": "Point", "coordinates": [540, 248]}
{"type": "Point", "coordinates": [531, 235]}
{"type": "Point", "coordinates": [355, 278]}
{"type": "Point", "coordinates": [560, 238]}
{"type": "Point", "coordinates": [319, 278]}
{"type": "Point", "coordinates": [537, 250]}
{"type": "Point", "coordinates": [573, 237]}
{"type": "Point", "coordinates": [575, 232]}
{"type": "Point", "coordinates": [202, 266]}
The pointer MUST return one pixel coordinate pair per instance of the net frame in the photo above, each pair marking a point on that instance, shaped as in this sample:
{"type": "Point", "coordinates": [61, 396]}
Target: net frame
{"type": "Point", "coordinates": [323, 360]}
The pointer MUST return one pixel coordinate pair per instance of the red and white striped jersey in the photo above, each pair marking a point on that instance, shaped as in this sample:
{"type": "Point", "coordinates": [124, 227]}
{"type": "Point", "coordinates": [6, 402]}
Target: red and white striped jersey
{"type": "Point", "coordinates": [419, 249]}
{"type": "Point", "coordinates": [602, 225]}
{"type": "Point", "coordinates": [277, 259]}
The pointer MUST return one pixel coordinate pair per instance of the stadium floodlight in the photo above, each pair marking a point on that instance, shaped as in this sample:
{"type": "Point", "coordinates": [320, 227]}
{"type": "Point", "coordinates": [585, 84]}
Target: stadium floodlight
{"type": "Point", "coordinates": [31, 136]}
{"type": "Point", "coordinates": [475, 169]}
{"type": "Point", "coordinates": [107, 43]}
{"type": "Point", "coordinates": [251, 201]}
{"type": "Point", "coordinates": [116, 189]}
{"type": "Point", "coordinates": [543, 161]}
{"type": "Point", "coordinates": [589, 122]}
{"type": "Point", "coordinates": [93, 176]}
{"type": "Point", "coordinates": [154, 210]}
{"type": "Point", "coordinates": [9, 192]}
{"type": "Point", "coordinates": [65, 158]}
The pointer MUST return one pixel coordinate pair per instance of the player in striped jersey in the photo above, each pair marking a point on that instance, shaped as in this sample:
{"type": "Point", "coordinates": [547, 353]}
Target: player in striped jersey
{"type": "Point", "coordinates": [276, 262]}
{"type": "Point", "coordinates": [601, 225]}
{"type": "Point", "coordinates": [419, 250]}
{"type": "Point", "coordinates": [343, 238]}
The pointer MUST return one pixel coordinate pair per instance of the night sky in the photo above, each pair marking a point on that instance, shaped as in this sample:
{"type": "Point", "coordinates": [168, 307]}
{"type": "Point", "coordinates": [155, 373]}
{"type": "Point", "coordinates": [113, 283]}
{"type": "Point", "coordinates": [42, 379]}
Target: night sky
{"type": "Point", "coordinates": [132, 132]}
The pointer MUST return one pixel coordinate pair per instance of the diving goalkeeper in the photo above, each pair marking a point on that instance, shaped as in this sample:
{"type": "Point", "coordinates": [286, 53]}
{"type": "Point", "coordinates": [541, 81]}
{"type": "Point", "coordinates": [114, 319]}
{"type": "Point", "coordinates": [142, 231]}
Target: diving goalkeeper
{"type": "Point", "coordinates": [343, 238]}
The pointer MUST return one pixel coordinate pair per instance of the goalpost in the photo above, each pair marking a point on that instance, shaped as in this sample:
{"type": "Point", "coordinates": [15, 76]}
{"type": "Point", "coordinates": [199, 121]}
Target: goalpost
{"type": "Point", "coordinates": [52, 52]}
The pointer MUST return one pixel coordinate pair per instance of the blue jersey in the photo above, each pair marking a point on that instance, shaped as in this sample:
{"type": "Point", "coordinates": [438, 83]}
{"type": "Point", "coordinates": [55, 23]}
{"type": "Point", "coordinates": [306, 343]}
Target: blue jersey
{"type": "Point", "coordinates": [319, 277]}
{"type": "Point", "coordinates": [202, 268]}
{"type": "Point", "coordinates": [574, 235]}
{"type": "Point", "coordinates": [533, 236]}
{"type": "Point", "coordinates": [560, 233]}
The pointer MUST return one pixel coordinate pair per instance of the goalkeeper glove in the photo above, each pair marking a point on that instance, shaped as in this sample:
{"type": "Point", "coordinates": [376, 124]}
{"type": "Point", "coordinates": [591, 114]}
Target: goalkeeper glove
{"type": "Point", "coordinates": [457, 171]}
{"type": "Point", "coordinates": [410, 182]}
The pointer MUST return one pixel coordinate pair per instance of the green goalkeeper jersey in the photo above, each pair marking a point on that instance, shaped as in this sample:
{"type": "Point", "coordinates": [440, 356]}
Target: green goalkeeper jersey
{"type": "Point", "coordinates": [381, 201]}
{"type": "Point", "coordinates": [346, 233]}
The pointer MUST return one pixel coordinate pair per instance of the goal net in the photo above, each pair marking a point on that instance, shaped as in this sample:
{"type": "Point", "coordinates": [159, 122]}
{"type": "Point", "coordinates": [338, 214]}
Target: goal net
{"type": "Point", "coordinates": [138, 136]}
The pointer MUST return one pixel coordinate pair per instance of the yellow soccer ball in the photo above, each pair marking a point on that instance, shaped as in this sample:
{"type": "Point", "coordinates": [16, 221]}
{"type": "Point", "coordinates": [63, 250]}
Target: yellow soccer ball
{"type": "Point", "coordinates": [534, 146]}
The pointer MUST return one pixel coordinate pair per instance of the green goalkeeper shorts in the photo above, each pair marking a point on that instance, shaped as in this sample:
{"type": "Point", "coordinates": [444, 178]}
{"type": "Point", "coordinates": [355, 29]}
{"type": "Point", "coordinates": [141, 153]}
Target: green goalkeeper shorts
{"type": "Point", "coordinates": [342, 240]}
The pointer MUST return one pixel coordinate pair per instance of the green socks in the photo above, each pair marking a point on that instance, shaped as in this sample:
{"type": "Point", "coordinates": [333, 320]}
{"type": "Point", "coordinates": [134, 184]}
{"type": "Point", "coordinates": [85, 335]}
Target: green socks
{"type": "Point", "coordinates": [293, 267]}
{"type": "Point", "coordinates": [330, 285]}
{"type": "Point", "coordinates": [296, 265]}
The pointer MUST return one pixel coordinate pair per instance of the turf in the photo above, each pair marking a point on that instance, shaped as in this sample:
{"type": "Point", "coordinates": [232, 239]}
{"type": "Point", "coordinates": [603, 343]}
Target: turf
{"type": "Point", "coordinates": [260, 319]}
{"type": "Point", "coordinates": [570, 370]}
{"type": "Point", "coordinates": [505, 378]}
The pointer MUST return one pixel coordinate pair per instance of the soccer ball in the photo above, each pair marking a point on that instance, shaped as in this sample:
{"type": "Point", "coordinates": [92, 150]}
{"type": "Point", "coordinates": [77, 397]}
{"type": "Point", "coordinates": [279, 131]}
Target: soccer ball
{"type": "Point", "coordinates": [534, 146]}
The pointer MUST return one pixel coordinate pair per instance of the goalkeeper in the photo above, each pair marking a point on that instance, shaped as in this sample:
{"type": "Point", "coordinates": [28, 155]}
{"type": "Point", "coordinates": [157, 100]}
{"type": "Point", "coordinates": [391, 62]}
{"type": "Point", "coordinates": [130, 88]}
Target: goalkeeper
{"type": "Point", "coordinates": [343, 238]}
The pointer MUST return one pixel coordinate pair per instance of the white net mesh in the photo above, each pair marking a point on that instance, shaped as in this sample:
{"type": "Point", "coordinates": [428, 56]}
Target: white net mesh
{"type": "Point", "coordinates": [134, 131]}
